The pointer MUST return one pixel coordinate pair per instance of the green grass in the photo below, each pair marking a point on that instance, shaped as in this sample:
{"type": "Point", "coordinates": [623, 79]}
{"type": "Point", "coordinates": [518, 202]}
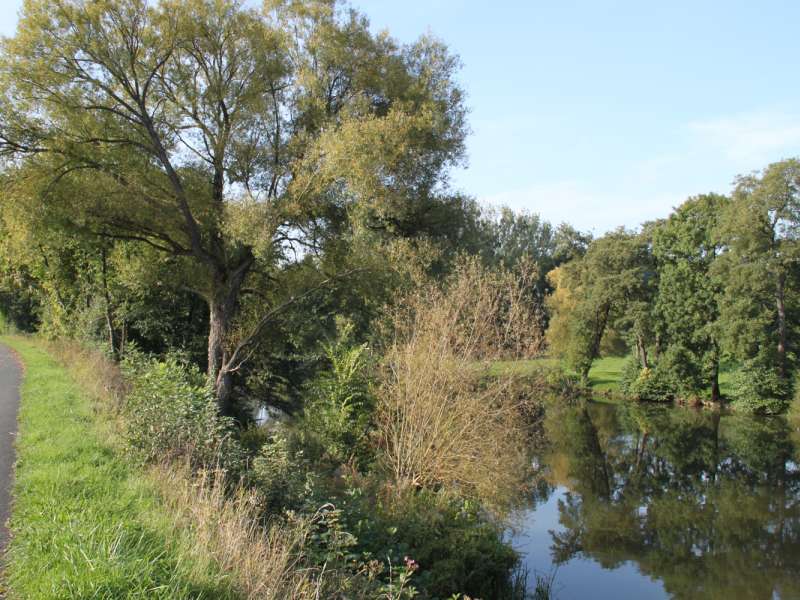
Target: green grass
{"type": "Point", "coordinates": [86, 524]}
{"type": "Point", "coordinates": [603, 376]}
{"type": "Point", "coordinates": [605, 373]}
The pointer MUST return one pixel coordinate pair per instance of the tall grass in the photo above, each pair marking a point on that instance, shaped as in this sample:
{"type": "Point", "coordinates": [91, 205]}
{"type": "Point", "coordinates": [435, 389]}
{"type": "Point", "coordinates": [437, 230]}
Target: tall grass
{"type": "Point", "coordinates": [264, 560]}
{"type": "Point", "coordinates": [85, 525]}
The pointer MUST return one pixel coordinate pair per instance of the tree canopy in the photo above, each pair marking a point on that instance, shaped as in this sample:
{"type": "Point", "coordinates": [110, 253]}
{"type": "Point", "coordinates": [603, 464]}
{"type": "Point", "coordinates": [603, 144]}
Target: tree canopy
{"type": "Point", "coordinates": [233, 140]}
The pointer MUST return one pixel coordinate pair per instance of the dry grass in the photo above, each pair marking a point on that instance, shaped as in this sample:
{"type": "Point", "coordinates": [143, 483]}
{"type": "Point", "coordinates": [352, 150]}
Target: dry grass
{"type": "Point", "coordinates": [214, 528]}
{"type": "Point", "coordinates": [264, 560]}
{"type": "Point", "coordinates": [439, 424]}
{"type": "Point", "coordinates": [97, 374]}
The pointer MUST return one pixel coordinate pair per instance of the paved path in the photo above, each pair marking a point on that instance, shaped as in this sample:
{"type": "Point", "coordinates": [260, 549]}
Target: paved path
{"type": "Point", "coordinates": [10, 376]}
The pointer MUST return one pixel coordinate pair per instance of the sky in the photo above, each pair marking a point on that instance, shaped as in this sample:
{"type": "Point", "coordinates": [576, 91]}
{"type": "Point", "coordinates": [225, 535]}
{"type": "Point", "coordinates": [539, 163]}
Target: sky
{"type": "Point", "coordinates": [606, 113]}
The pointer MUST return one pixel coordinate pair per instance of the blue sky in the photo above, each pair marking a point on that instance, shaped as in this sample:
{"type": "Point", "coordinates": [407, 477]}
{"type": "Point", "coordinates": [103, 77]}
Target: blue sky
{"type": "Point", "coordinates": [604, 113]}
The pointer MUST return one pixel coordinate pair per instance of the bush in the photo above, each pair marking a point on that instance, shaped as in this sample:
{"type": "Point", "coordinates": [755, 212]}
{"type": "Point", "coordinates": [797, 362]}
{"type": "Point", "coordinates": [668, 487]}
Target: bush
{"type": "Point", "coordinates": [339, 415]}
{"type": "Point", "coordinates": [651, 384]}
{"type": "Point", "coordinates": [758, 389]}
{"type": "Point", "coordinates": [631, 370]}
{"type": "Point", "coordinates": [282, 475]}
{"type": "Point", "coordinates": [439, 424]}
{"type": "Point", "coordinates": [170, 413]}
{"type": "Point", "coordinates": [457, 550]}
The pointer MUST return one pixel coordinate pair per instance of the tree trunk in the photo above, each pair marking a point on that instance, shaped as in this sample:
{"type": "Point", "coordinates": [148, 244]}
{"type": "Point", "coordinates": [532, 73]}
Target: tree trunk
{"type": "Point", "coordinates": [780, 302]}
{"type": "Point", "coordinates": [109, 311]}
{"type": "Point", "coordinates": [642, 350]}
{"type": "Point", "coordinates": [219, 322]}
{"type": "Point", "coordinates": [715, 395]}
{"type": "Point", "coordinates": [223, 307]}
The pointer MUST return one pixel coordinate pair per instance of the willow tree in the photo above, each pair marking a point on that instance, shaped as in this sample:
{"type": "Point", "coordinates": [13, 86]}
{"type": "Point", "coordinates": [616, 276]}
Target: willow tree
{"type": "Point", "coordinates": [610, 287]}
{"type": "Point", "coordinates": [233, 139]}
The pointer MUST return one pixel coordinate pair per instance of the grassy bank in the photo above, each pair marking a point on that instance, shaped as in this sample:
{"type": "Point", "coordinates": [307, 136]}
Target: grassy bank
{"type": "Point", "coordinates": [85, 523]}
{"type": "Point", "coordinates": [603, 376]}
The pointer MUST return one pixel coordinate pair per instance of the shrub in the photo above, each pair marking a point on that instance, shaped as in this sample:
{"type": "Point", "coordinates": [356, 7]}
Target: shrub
{"type": "Point", "coordinates": [654, 385]}
{"type": "Point", "coordinates": [253, 437]}
{"type": "Point", "coordinates": [758, 389]}
{"type": "Point", "coordinates": [438, 424]}
{"type": "Point", "coordinates": [651, 384]}
{"type": "Point", "coordinates": [170, 413]}
{"type": "Point", "coordinates": [338, 417]}
{"type": "Point", "coordinates": [630, 373]}
{"type": "Point", "coordinates": [456, 548]}
{"type": "Point", "coordinates": [281, 474]}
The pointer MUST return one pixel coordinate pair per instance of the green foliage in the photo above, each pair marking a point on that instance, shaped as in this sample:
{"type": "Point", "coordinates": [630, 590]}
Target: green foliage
{"type": "Point", "coordinates": [687, 310]}
{"type": "Point", "coordinates": [338, 416]}
{"type": "Point", "coordinates": [19, 307]}
{"type": "Point", "coordinates": [456, 548]}
{"type": "Point", "coordinates": [85, 523]}
{"type": "Point", "coordinates": [282, 474]}
{"type": "Point", "coordinates": [761, 230]}
{"type": "Point", "coordinates": [652, 384]}
{"type": "Point", "coordinates": [757, 388]}
{"type": "Point", "coordinates": [170, 413]}
{"type": "Point", "coordinates": [610, 287]}
{"type": "Point", "coordinates": [330, 544]}
{"type": "Point", "coordinates": [518, 237]}
{"type": "Point", "coordinates": [309, 129]}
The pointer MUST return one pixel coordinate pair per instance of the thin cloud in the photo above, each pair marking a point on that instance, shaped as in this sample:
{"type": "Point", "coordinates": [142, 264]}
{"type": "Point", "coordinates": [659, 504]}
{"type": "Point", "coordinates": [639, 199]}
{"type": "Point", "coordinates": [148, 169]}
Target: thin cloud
{"type": "Point", "coordinates": [750, 139]}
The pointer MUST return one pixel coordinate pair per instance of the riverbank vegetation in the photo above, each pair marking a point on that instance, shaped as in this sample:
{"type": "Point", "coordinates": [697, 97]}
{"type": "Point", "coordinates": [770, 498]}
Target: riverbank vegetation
{"type": "Point", "coordinates": [85, 524]}
{"type": "Point", "coordinates": [329, 365]}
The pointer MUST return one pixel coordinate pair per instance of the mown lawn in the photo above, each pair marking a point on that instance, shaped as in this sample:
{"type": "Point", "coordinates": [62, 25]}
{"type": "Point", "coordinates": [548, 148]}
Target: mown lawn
{"type": "Point", "coordinates": [86, 524]}
{"type": "Point", "coordinates": [605, 373]}
{"type": "Point", "coordinates": [603, 376]}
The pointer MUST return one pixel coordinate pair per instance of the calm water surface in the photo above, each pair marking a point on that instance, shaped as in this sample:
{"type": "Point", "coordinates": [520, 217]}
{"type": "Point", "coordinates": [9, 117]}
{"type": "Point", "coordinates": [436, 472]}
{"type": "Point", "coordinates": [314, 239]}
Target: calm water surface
{"type": "Point", "coordinates": [649, 502]}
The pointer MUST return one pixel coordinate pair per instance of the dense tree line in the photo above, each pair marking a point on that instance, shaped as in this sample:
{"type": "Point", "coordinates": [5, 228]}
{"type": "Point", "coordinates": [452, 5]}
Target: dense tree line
{"type": "Point", "coordinates": [230, 183]}
{"type": "Point", "coordinates": [713, 285]}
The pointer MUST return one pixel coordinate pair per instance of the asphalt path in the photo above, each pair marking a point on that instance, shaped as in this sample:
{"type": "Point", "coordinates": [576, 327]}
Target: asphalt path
{"type": "Point", "coordinates": [10, 377]}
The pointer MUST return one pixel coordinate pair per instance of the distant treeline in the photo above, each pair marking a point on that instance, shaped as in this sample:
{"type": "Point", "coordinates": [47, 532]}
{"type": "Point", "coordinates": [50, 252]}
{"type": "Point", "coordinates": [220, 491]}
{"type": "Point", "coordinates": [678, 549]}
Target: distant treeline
{"type": "Point", "coordinates": [715, 284]}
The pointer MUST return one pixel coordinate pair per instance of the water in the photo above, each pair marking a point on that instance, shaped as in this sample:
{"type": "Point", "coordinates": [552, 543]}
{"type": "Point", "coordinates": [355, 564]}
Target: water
{"type": "Point", "coordinates": [649, 502]}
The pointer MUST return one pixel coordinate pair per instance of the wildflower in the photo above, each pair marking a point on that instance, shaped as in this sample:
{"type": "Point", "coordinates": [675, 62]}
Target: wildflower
{"type": "Point", "coordinates": [411, 564]}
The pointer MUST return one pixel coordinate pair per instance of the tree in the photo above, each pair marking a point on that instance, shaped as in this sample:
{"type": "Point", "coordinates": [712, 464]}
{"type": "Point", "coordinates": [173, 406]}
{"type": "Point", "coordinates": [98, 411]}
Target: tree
{"type": "Point", "coordinates": [611, 285]}
{"type": "Point", "coordinates": [233, 140]}
{"type": "Point", "coordinates": [525, 236]}
{"type": "Point", "coordinates": [688, 297]}
{"type": "Point", "coordinates": [761, 232]}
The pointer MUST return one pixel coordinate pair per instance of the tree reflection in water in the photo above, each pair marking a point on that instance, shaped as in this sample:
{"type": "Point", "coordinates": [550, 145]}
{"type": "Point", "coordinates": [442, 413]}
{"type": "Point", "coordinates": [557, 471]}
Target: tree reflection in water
{"type": "Point", "coordinates": [709, 505]}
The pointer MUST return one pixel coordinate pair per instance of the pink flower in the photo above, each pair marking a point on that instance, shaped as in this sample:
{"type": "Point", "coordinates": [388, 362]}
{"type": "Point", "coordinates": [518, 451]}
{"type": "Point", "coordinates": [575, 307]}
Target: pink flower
{"type": "Point", "coordinates": [411, 564]}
